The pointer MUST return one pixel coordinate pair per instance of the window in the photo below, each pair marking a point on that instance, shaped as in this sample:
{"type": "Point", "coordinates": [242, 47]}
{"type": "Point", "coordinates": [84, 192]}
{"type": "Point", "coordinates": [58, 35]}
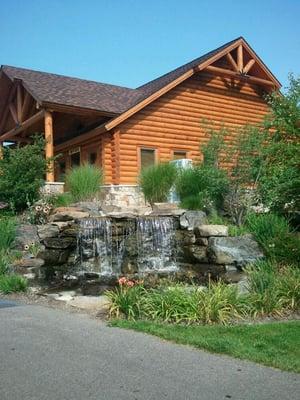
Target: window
{"type": "Point", "coordinates": [147, 158]}
{"type": "Point", "coordinates": [62, 170]}
{"type": "Point", "coordinates": [92, 158]}
{"type": "Point", "coordinates": [178, 154]}
{"type": "Point", "coordinates": [75, 159]}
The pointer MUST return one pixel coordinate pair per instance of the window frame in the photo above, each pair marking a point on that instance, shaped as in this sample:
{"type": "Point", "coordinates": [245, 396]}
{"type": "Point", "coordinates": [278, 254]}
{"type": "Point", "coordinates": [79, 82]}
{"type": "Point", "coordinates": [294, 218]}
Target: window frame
{"type": "Point", "coordinates": [187, 153]}
{"type": "Point", "coordinates": [139, 155]}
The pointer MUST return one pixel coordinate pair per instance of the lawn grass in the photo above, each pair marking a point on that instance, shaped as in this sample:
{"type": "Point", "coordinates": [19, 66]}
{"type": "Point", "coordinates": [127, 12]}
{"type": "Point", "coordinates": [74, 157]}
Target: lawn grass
{"type": "Point", "coordinates": [272, 344]}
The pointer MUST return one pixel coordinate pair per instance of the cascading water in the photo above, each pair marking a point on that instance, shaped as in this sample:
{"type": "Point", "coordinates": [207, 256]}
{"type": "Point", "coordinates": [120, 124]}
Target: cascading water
{"type": "Point", "coordinates": [104, 245]}
{"type": "Point", "coordinates": [156, 243]}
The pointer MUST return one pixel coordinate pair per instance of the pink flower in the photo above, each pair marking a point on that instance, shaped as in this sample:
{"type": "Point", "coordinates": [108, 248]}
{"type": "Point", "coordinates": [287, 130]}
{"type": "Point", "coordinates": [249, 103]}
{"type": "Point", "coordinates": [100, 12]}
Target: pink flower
{"type": "Point", "coordinates": [130, 283]}
{"type": "Point", "coordinates": [122, 281]}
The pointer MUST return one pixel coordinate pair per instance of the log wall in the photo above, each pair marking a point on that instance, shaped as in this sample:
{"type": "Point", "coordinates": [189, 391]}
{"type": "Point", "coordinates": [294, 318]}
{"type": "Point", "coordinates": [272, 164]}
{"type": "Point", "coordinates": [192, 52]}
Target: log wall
{"type": "Point", "coordinates": [175, 122]}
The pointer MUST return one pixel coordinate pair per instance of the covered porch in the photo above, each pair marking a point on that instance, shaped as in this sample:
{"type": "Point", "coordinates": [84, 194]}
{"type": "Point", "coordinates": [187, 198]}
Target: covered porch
{"type": "Point", "coordinates": [70, 132]}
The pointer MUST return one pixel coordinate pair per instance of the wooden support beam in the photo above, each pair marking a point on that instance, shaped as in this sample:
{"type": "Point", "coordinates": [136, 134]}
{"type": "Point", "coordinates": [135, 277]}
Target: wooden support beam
{"type": "Point", "coordinates": [1, 150]}
{"type": "Point", "coordinates": [13, 112]}
{"type": "Point", "coordinates": [19, 102]}
{"type": "Point", "coordinates": [232, 62]}
{"type": "Point", "coordinates": [228, 72]}
{"type": "Point", "coordinates": [6, 110]}
{"type": "Point", "coordinates": [25, 106]}
{"type": "Point", "coordinates": [49, 149]}
{"type": "Point", "coordinates": [248, 66]}
{"type": "Point", "coordinates": [20, 128]}
{"type": "Point", "coordinates": [240, 58]}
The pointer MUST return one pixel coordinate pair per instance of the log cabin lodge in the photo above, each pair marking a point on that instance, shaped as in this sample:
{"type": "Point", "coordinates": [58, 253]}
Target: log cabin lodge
{"type": "Point", "coordinates": [121, 129]}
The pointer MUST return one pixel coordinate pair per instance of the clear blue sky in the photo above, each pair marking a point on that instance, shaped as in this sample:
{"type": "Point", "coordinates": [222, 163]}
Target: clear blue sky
{"type": "Point", "coordinates": [129, 42]}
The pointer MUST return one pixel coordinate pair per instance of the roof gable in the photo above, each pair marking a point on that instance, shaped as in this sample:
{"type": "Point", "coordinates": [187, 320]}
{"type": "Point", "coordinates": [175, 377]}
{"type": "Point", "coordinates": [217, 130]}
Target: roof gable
{"type": "Point", "coordinates": [156, 88]}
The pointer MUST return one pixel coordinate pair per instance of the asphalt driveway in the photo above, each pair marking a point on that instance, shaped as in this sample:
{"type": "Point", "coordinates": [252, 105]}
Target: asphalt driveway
{"type": "Point", "coordinates": [48, 354]}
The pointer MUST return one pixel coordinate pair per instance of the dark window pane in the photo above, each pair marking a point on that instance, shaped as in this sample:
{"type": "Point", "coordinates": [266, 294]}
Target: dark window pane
{"type": "Point", "coordinates": [92, 158]}
{"type": "Point", "coordinates": [75, 160]}
{"type": "Point", "coordinates": [147, 158]}
{"type": "Point", "coordinates": [178, 155]}
{"type": "Point", "coordinates": [62, 170]}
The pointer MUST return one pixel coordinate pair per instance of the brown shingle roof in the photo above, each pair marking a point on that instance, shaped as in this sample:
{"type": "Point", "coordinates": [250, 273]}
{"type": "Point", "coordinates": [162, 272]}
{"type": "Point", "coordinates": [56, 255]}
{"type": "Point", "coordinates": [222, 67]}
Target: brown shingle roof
{"type": "Point", "coordinates": [69, 91]}
{"type": "Point", "coordinates": [74, 92]}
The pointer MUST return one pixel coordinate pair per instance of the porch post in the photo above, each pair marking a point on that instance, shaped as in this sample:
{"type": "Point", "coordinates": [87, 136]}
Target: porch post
{"type": "Point", "coordinates": [1, 150]}
{"type": "Point", "coordinates": [49, 151]}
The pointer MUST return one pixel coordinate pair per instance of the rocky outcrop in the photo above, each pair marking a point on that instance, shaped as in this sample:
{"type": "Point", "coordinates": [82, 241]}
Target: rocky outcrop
{"type": "Point", "coordinates": [76, 246]}
{"type": "Point", "coordinates": [192, 219]}
{"type": "Point", "coordinates": [238, 251]}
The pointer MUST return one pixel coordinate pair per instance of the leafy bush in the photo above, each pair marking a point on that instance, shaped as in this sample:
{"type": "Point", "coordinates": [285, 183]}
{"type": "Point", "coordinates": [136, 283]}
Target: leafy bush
{"type": "Point", "coordinates": [272, 290]}
{"type": "Point", "coordinates": [12, 283]}
{"type": "Point", "coordinates": [156, 182]}
{"type": "Point", "coordinates": [61, 200]}
{"type": "Point", "coordinates": [84, 182]}
{"type": "Point", "coordinates": [22, 171]}
{"type": "Point", "coordinates": [7, 232]}
{"type": "Point", "coordinates": [126, 299]}
{"type": "Point", "coordinates": [273, 234]}
{"type": "Point", "coordinates": [202, 187]}
{"type": "Point", "coordinates": [219, 303]}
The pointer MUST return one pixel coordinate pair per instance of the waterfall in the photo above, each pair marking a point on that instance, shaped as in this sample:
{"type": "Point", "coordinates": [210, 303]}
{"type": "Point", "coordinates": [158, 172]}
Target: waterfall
{"type": "Point", "coordinates": [105, 244]}
{"type": "Point", "coordinates": [156, 243]}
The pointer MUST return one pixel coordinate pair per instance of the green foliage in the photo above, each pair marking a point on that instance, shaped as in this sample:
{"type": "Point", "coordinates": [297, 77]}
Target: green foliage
{"type": "Point", "coordinates": [156, 182]}
{"type": "Point", "coordinates": [202, 187]}
{"type": "Point", "coordinates": [273, 233]}
{"type": "Point", "coordinates": [219, 303]}
{"type": "Point", "coordinates": [7, 232]}
{"type": "Point", "coordinates": [126, 301]}
{"type": "Point", "coordinates": [22, 171]}
{"type": "Point", "coordinates": [61, 200]}
{"type": "Point", "coordinates": [272, 291]}
{"type": "Point", "coordinates": [273, 344]}
{"type": "Point", "coordinates": [12, 283]}
{"type": "Point", "coordinates": [84, 182]}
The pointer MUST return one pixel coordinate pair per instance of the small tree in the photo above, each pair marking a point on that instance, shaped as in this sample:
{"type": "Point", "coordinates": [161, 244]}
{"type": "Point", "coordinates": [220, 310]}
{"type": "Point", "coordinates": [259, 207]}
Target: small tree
{"type": "Point", "coordinates": [22, 172]}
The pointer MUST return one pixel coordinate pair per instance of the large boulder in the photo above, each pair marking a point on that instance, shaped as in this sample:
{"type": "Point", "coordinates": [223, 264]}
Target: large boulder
{"type": "Point", "coordinates": [26, 235]}
{"type": "Point", "coordinates": [192, 219]}
{"type": "Point", "coordinates": [62, 214]}
{"type": "Point", "coordinates": [47, 231]}
{"type": "Point", "coordinates": [196, 254]}
{"type": "Point", "coordinates": [167, 209]}
{"type": "Point", "coordinates": [239, 250]}
{"type": "Point", "coordinates": [212, 230]}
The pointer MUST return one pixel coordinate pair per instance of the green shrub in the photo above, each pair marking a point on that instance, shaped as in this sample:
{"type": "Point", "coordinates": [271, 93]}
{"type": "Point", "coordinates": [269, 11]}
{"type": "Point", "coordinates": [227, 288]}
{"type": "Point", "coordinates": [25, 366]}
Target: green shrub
{"type": "Point", "coordinates": [272, 290]}
{"type": "Point", "coordinates": [7, 232]}
{"type": "Point", "coordinates": [84, 182]}
{"type": "Point", "coordinates": [12, 283]}
{"type": "Point", "coordinates": [202, 187]}
{"type": "Point", "coordinates": [156, 182]}
{"type": "Point", "coordinates": [22, 171]}
{"type": "Point", "coordinates": [126, 301]}
{"type": "Point", "coordinates": [61, 200]}
{"type": "Point", "coordinates": [273, 234]}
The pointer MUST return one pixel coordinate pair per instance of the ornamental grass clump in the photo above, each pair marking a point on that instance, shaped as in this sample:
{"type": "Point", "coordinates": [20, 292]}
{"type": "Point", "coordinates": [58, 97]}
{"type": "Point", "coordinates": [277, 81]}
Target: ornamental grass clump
{"type": "Point", "coordinates": [125, 300]}
{"type": "Point", "coordinates": [156, 182]}
{"type": "Point", "coordinates": [7, 232]}
{"type": "Point", "coordinates": [12, 283]}
{"type": "Point", "coordinates": [84, 182]}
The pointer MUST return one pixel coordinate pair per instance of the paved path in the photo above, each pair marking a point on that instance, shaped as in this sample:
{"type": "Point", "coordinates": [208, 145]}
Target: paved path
{"type": "Point", "coordinates": [48, 354]}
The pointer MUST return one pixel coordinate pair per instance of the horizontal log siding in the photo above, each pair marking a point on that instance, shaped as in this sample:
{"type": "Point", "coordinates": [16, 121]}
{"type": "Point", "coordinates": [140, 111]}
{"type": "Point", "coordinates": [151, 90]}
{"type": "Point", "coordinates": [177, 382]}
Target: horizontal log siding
{"type": "Point", "coordinates": [175, 120]}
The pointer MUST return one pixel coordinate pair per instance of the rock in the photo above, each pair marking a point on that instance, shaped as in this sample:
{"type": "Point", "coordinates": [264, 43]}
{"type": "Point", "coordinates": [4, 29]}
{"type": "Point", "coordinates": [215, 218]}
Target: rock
{"type": "Point", "coordinates": [63, 214]}
{"type": "Point", "coordinates": [3, 205]}
{"type": "Point", "coordinates": [61, 225]}
{"type": "Point", "coordinates": [215, 271]}
{"type": "Point", "coordinates": [91, 303]}
{"type": "Point", "coordinates": [197, 254]}
{"type": "Point", "coordinates": [201, 241]}
{"type": "Point", "coordinates": [121, 215]}
{"type": "Point", "coordinates": [192, 219]}
{"type": "Point", "coordinates": [60, 243]}
{"type": "Point", "coordinates": [129, 267]}
{"type": "Point", "coordinates": [26, 235]}
{"type": "Point", "coordinates": [211, 230]}
{"type": "Point", "coordinates": [54, 256]}
{"type": "Point", "coordinates": [233, 274]}
{"type": "Point", "coordinates": [167, 209]}
{"type": "Point", "coordinates": [239, 250]}
{"type": "Point", "coordinates": [47, 231]}
{"type": "Point", "coordinates": [29, 263]}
